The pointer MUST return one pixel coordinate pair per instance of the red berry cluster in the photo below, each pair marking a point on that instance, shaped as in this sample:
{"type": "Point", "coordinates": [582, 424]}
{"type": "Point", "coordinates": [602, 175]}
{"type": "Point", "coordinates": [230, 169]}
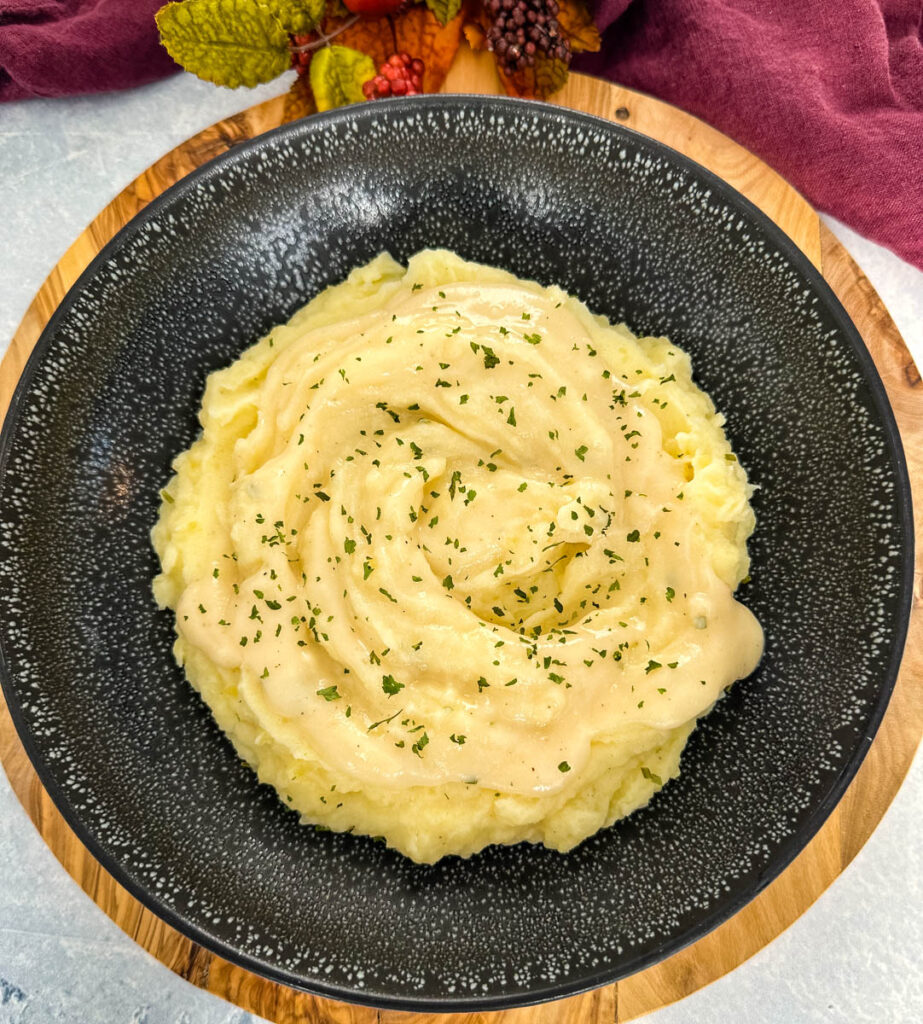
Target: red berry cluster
{"type": "Point", "coordinates": [400, 75]}
{"type": "Point", "coordinates": [521, 29]}
{"type": "Point", "coordinates": [301, 59]}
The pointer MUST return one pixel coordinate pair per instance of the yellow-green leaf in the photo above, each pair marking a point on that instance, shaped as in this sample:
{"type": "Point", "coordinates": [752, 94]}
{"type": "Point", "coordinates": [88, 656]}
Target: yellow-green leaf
{"type": "Point", "coordinates": [228, 42]}
{"type": "Point", "coordinates": [337, 74]}
{"type": "Point", "coordinates": [445, 10]}
{"type": "Point", "coordinates": [296, 16]}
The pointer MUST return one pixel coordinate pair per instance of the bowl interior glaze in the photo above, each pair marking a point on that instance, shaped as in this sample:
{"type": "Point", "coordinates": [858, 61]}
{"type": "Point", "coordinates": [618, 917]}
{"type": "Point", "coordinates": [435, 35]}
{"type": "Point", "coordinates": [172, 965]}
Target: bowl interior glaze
{"type": "Point", "coordinates": [131, 755]}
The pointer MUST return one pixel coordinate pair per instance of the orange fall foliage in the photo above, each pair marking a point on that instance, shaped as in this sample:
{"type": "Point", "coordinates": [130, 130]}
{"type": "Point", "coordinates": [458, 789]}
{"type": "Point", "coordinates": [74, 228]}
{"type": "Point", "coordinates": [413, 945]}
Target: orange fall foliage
{"type": "Point", "coordinates": [417, 31]}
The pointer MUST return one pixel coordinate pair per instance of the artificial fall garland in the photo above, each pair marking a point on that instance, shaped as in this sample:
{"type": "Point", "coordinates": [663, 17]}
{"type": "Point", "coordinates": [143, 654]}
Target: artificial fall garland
{"type": "Point", "coordinates": [347, 51]}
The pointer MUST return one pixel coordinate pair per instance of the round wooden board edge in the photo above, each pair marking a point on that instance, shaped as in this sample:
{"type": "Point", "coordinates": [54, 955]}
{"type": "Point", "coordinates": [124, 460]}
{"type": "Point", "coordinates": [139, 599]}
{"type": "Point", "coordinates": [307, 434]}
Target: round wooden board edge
{"type": "Point", "coordinates": [842, 835]}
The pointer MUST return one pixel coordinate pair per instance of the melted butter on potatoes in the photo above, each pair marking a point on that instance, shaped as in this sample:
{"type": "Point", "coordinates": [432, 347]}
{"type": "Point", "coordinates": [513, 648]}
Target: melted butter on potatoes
{"type": "Point", "coordinates": [453, 559]}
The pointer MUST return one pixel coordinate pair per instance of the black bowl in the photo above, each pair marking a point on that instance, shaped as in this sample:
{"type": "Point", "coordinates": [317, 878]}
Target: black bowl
{"type": "Point", "coordinates": [130, 754]}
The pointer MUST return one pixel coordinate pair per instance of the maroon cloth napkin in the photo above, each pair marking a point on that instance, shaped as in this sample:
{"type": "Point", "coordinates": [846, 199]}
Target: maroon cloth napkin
{"type": "Point", "coordinates": [828, 92]}
{"type": "Point", "coordinates": [62, 47]}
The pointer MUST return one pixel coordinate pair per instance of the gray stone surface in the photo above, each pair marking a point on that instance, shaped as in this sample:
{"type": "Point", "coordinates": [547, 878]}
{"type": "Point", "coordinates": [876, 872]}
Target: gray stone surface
{"type": "Point", "coordinates": [854, 956]}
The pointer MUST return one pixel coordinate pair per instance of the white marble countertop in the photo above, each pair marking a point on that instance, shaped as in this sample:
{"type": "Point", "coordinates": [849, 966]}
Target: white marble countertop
{"type": "Point", "coordinates": [854, 956]}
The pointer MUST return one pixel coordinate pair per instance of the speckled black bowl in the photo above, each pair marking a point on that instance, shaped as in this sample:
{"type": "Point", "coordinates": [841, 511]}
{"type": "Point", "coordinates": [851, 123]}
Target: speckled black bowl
{"type": "Point", "coordinates": [124, 745]}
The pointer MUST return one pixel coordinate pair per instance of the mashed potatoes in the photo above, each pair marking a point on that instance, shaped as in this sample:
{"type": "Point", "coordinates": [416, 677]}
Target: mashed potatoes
{"type": "Point", "coordinates": [453, 560]}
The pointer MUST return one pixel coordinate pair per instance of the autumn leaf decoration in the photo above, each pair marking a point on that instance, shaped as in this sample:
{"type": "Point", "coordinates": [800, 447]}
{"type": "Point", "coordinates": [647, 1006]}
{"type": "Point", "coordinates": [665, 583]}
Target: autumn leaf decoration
{"type": "Point", "coordinates": [348, 51]}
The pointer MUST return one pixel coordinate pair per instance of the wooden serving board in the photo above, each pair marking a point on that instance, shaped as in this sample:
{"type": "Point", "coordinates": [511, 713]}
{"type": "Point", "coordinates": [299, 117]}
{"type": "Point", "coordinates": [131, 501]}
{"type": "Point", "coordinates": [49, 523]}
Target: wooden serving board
{"type": "Point", "coordinates": [883, 769]}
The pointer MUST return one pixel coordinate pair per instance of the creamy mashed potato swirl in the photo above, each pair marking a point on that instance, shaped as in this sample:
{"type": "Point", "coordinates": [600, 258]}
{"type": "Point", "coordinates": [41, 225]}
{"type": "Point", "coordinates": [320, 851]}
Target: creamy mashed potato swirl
{"type": "Point", "coordinates": [453, 560]}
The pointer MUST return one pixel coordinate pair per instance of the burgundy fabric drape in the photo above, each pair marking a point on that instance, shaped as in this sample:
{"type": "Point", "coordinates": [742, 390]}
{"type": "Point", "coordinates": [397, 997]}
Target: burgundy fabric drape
{"type": "Point", "coordinates": [828, 92]}
{"type": "Point", "coordinates": [64, 47]}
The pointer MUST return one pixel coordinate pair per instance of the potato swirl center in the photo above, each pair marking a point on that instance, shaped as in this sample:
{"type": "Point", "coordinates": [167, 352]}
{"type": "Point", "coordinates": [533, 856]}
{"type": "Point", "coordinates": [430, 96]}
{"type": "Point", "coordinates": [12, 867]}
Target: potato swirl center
{"type": "Point", "coordinates": [463, 529]}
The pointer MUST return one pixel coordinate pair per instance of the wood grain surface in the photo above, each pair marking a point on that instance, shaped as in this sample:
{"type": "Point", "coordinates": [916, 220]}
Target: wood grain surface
{"type": "Point", "coordinates": [883, 769]}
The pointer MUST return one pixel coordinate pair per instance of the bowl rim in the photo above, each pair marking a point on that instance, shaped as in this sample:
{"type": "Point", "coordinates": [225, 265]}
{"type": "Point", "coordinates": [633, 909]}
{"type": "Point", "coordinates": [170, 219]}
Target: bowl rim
{"type": "Point", "coordinates": [788, 849]}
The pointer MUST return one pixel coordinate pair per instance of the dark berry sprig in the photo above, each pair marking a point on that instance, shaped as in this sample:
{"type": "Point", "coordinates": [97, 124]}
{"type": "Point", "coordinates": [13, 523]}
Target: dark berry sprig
{"type": "Point", "coordinates": [522, 29]}
{"type": "Point", "coordinates": [400, 75]}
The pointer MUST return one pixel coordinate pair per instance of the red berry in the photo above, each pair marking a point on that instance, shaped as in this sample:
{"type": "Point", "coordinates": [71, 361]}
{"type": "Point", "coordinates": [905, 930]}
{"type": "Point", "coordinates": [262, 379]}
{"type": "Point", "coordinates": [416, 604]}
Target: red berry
{"type": "Point", "coordinates": [301, 59]}
{"type": "Point", "coordinates": [400, 75]}
{"type": "Point", "coordinates": [373, 8]}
